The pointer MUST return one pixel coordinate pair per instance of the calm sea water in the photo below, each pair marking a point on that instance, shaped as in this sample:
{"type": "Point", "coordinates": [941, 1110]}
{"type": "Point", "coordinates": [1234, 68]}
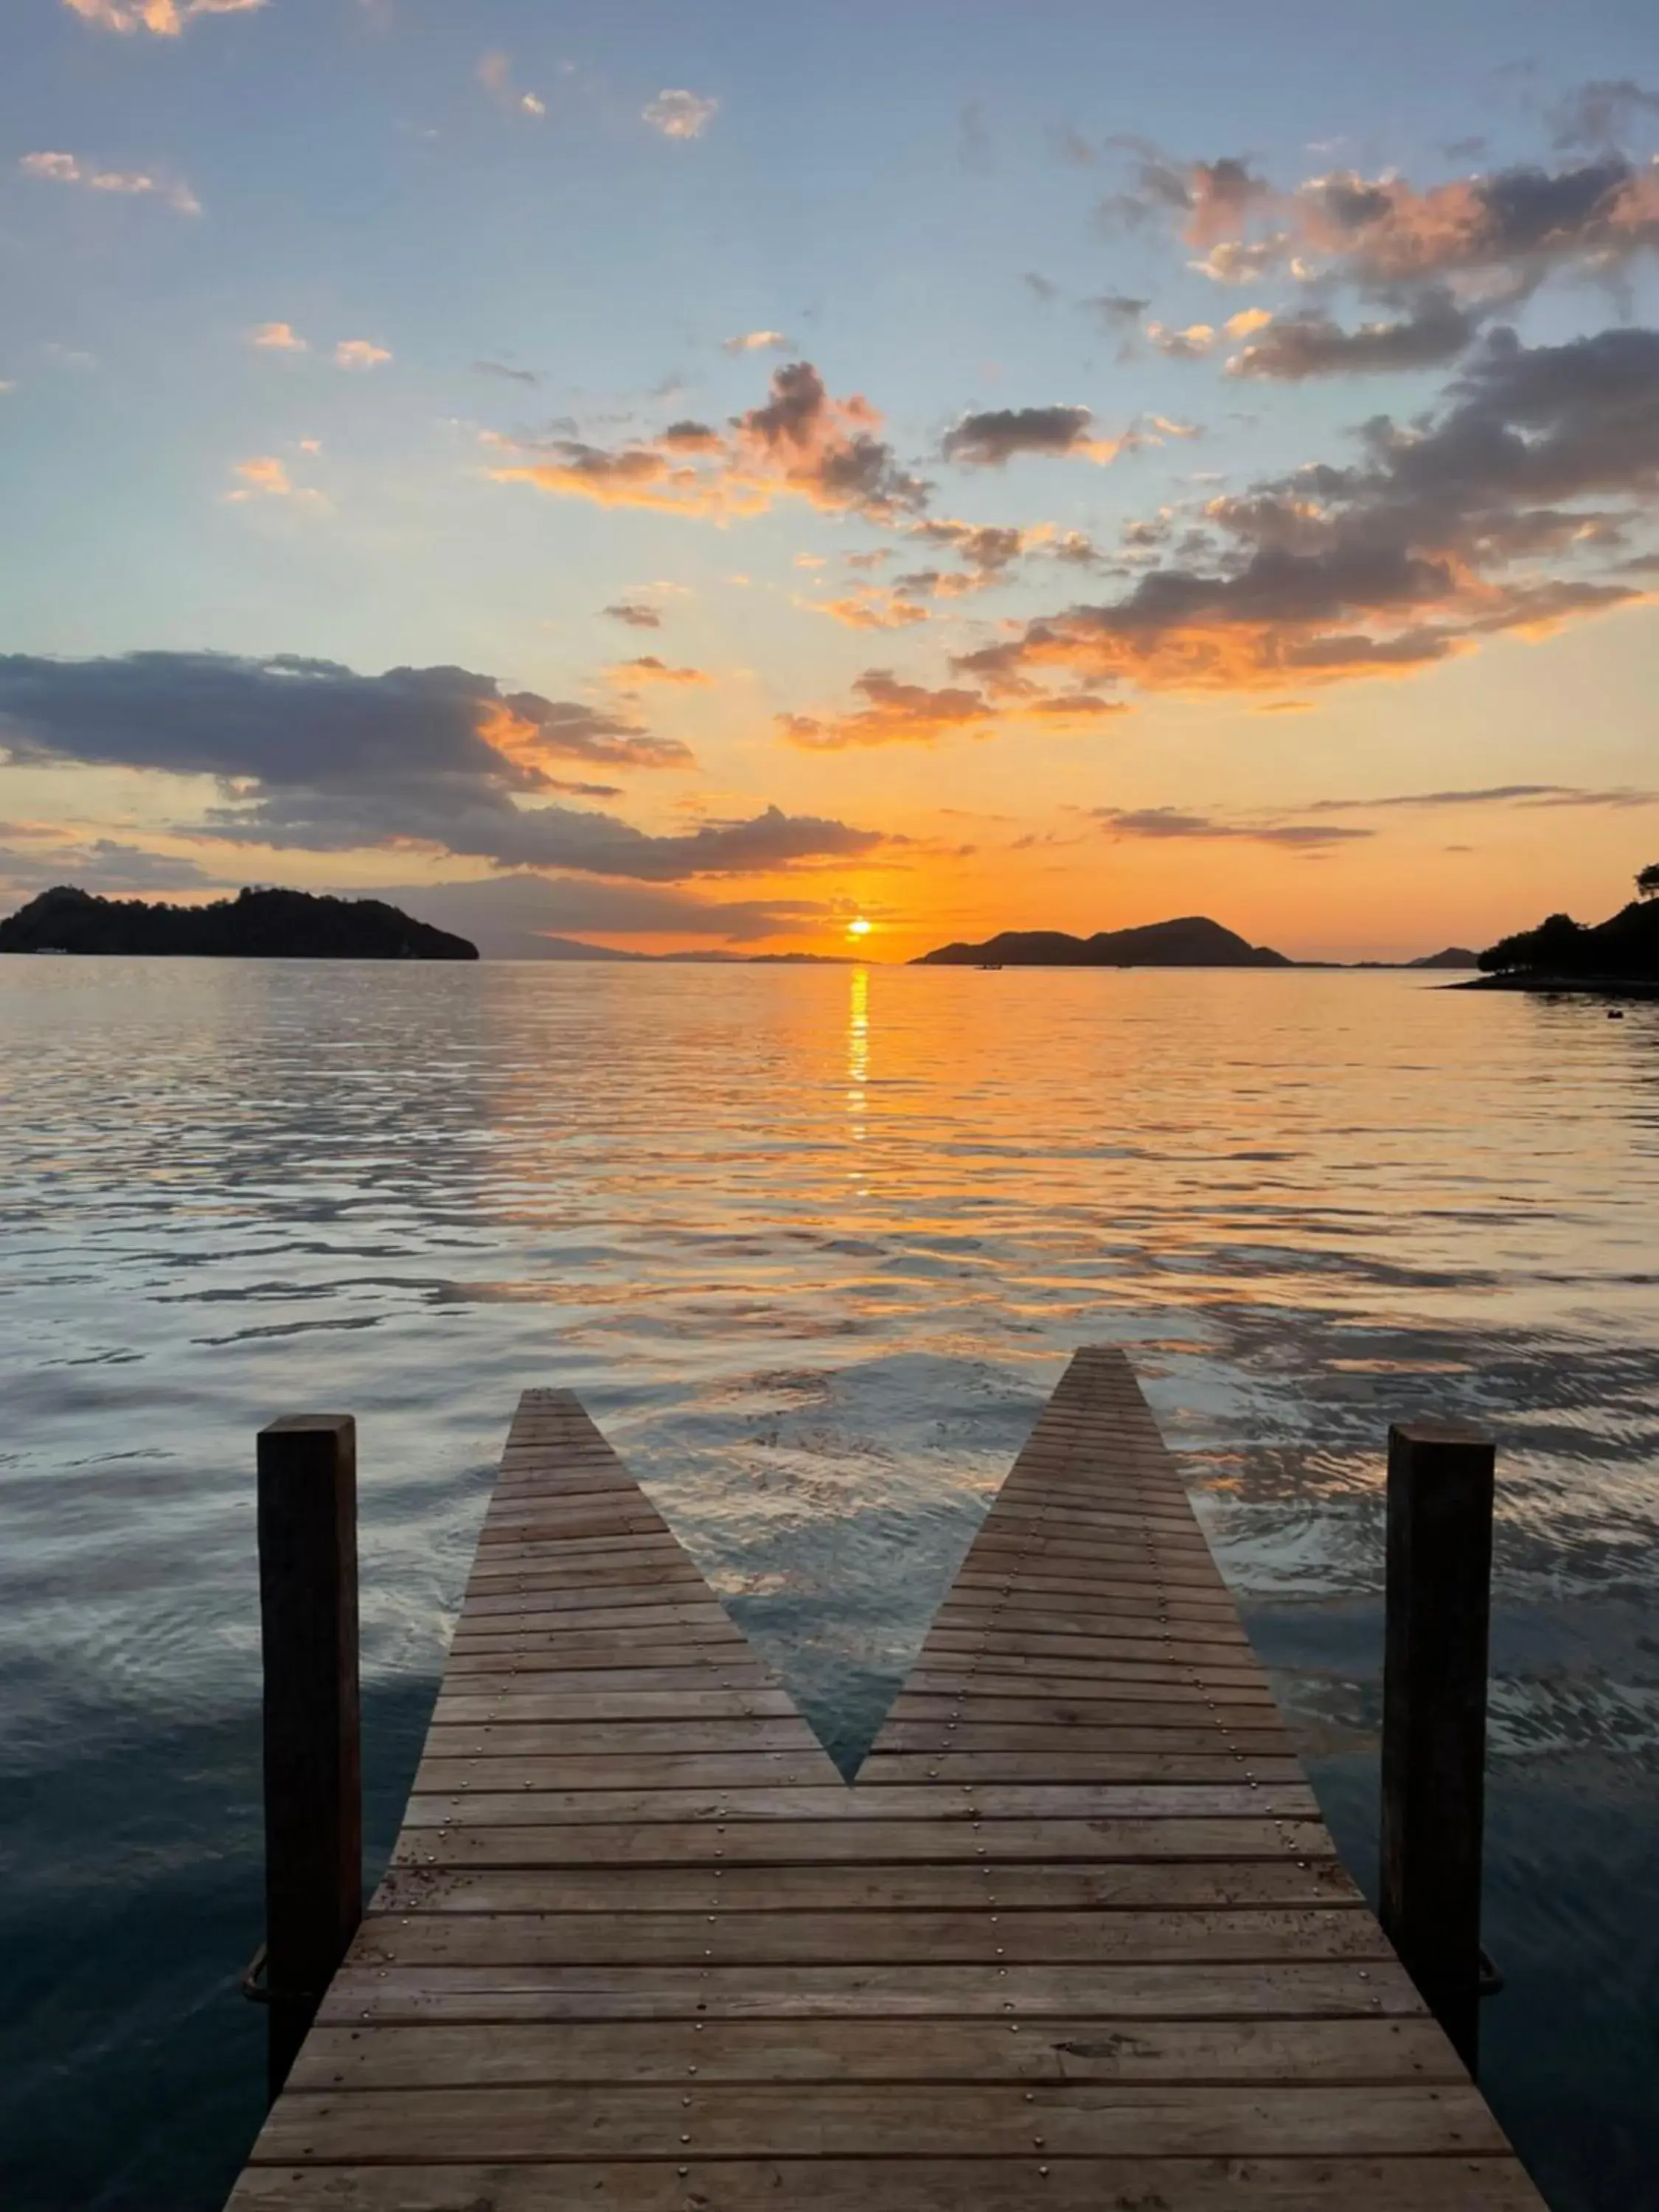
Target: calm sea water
{"type": "Point", "coordinates": [813, 1246]}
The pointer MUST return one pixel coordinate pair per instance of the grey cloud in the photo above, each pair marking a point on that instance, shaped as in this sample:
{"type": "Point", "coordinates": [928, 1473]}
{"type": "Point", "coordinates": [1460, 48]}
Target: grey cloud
{"type": "Point", "coordinates": [1042, 288]}
{"type": "Point", "coordinates": [636, 616]}
{"type": "Point", "coordinates": [1494, 794]}
{"type": "Point", "coordinates": [102, 865]}
{"type": "Point", "coordinates": [1601, 113]}
{"type": "Point", "coordinates": [502, 368]}
{"type": "Point", "coordinates": [308, 754]}
{"type": "Point", "coordinates": [1212, 200]}
{"type": "Point", "coordinates": [1170, 822]}
{"type": "Point", "coordinates": [1402, 559]}
{"type": "Point", "coordinates": [489, 827]}
{"type": "Point", "coordinates": [1118, 311]}
{"type": "Point", "coordinates": [987, 547]}
{"type": "Point", "coordinates": [987, 441]}
{"type": "Point", "coordinates": [1435, 328]}
{"type": "Point", "coordinates": [1530, 423]}
{"type": "Point", "coordinates": [823, 448]}
{"type": "Point", "coordinates": [1514, 224]}
{"type": "Point", "coordinates": [287, 719]}
{"type": "Point", "coordinates": [508, 916]}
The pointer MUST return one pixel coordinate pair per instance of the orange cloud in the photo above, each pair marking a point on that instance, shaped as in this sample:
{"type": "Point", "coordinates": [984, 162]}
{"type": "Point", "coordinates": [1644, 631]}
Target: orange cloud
{"type": "Point", "coordinates": [648, 669]}
{"type": "Point", "coordinates": [360, 353]}
{"type": "Point", "coordinates": [1388, 233]}
{"type": "Point", "coordinates": [894, 713]}
{"type": "Point", "coordinates": [265, 476]}
{"type": "Point", "coordinates": [868, 608]}
{"type": "Point", "coordinates": [1414, 554]}
{"type": "Point", "coordinates": [165, 19]}
{"type": "Point", "coordinates": [277, 337]}
{"type": "Point", "coordinates": [1182, 345]}
{"type": "Point", "coordinates": [680, 115]}
{"type": "Point", "coordinates": [1495, 234]}
{"type": "Point", "coordinates": [801, 442]}
{"type": "Point", "coordinates": [898, 713]}
{"type": "Point", "coordinates": [128, 184]}
{"type": "Point", "coordinates": [530, 730]}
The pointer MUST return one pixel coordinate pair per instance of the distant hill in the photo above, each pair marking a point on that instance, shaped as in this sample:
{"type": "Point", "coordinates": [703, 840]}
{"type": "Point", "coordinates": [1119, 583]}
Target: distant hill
{"type": "Point", "coordinates": [542, 946]}
{"type": "Point", "coordinates": [269, 924]}
{"type": "Point", "coordinates": [1455, 956]}
{"type": "Point", "coordinates": [1624, 949]}
{"type": "Point", "coordinates": [1194, 941]}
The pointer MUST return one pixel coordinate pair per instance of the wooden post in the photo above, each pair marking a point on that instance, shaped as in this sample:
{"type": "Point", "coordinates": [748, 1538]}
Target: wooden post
{"type": "Point", "coordinates": [1434, 1714]}
{"type": "Point", "coordinates": [312, 1764]}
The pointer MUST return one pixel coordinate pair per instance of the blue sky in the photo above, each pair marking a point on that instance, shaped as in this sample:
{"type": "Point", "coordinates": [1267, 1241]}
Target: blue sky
{"type": "Point", "coordinates": [532, 227]}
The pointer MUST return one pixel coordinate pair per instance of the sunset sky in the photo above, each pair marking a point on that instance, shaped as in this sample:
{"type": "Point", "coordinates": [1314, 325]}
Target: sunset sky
{"type": "Point", "coordinates": [701, 475]}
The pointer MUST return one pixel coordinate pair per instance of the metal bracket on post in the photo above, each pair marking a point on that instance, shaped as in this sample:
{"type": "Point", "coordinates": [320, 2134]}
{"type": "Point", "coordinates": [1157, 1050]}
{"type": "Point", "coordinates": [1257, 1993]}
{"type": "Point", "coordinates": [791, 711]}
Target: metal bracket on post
{"type": "Point", "coordinates": [308, 1466]}
{"type": "Point", "coordinates": [1441, 1478]}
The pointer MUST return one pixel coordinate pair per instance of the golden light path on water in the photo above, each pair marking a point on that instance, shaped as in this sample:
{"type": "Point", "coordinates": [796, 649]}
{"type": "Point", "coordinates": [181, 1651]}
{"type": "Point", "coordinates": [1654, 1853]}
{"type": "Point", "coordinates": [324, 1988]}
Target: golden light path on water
{"type": "Point", "coordinates": [813, 1243]}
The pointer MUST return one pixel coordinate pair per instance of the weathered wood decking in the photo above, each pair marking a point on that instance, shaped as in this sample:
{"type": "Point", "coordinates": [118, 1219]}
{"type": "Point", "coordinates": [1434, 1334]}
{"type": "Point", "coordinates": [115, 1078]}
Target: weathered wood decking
{"type": "Point", "coordinates": [1076, 1937]}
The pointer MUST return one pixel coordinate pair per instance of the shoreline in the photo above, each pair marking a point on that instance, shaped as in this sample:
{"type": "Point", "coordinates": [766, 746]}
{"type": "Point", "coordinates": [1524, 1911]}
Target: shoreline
{"type": "Point", "coordinates": [1581, 986]}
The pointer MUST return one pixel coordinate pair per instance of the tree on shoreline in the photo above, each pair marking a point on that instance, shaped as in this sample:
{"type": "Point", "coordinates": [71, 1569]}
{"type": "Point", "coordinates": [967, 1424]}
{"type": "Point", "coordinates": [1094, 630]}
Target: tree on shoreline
{"type": "Point", "coordinates": [1647, 881]}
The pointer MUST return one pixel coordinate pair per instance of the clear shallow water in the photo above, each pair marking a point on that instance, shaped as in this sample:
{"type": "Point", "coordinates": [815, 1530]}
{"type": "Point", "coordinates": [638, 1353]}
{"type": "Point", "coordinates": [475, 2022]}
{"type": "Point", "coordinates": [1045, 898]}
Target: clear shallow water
{"type": "Point", "coordinates": [813, 1246]}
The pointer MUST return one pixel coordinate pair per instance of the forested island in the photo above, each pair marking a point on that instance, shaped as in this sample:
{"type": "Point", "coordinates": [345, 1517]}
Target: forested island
{"type": "Point", "coordinates": [1618, 956]}
{"type": "Point", "coordinates": [255, 925]}
{"type": "Point", "coordinates": [1194, 941]}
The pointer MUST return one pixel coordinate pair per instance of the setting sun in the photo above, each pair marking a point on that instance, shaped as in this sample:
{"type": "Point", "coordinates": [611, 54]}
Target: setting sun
{"type": "Point", "coordinates": [859, 926]}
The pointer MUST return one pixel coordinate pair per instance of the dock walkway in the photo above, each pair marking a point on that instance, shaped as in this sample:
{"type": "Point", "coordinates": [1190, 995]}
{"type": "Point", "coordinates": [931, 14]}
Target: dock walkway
{"type": "Point", "coordinates": [1076, 1937]}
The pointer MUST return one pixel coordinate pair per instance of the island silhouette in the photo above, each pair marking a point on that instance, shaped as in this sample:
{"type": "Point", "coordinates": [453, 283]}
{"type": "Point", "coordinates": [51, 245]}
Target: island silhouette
{"type": "Point", "coordinates": [1620, 954]}
{"type": "Point", "coordinates": [255, 925]}
{"type": "Point", "coordinates": [1191, 940]}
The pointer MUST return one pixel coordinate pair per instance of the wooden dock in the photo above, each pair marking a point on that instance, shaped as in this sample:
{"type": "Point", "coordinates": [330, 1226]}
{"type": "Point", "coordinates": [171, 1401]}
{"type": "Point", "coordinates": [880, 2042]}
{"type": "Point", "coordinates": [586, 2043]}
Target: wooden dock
{"type": "Point", "coordinates": [1076, 1937]}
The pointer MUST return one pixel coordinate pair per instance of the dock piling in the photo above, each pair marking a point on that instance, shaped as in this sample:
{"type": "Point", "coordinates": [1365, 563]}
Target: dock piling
{"type": "Point", "coordinates": [1440, 1496]}
{"type": "Point", "coordinates": [308, 1516]}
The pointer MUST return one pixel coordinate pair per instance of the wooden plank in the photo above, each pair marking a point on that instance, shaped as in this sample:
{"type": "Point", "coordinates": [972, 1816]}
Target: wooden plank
{"type": "Point", "coordinates": [948, 1673]}
{"type": "Point", "coordinates": [709, 1673]}
{"type": "Point", "coordinates": [1084, 2049]}
{"type": "Point", "coordinates": [534, 1805]}
{"type": "Point", "coordinates": [426, 1841]}
{"type": "Point", "coordinates": [615, 1774]}
{"type": "Point", "coordinates": [1079, 1766]}
{"type": "Point", "coordinates": [1401, 2183]}
{"type": "Point", "coordinates": [984, 1935]}
{"type": "Point", "coordinates": [533, 1743]}
{"type": "Point", "coordinates": [1012, 1698]}
{"type": "Point", "coordinates": [1306, 1989]}
{"type": "Point", "coordinates": [875, 2120]}
{"type": "Point", "coordinates": [1098, 1886]}
{"type": "Point", "coordinates": [679, 1646]}
{"type": "Point", "coordinates": [959, 1728]}
{"type": "Point", "coordinates": [526, 1708]}
{"type": "Point", "coordinates": [584, 1647]}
